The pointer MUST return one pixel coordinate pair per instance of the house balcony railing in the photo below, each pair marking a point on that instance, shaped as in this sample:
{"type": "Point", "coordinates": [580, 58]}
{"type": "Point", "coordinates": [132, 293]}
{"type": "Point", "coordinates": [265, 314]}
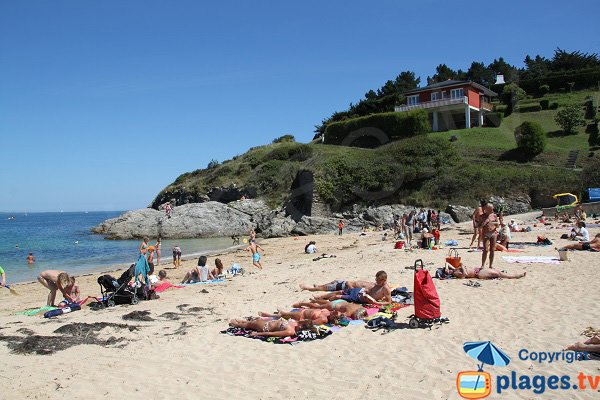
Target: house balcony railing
{"type": "Point", "coordinates": [432, 104]}
{"type": "Point", "coordinates": [486, 106]}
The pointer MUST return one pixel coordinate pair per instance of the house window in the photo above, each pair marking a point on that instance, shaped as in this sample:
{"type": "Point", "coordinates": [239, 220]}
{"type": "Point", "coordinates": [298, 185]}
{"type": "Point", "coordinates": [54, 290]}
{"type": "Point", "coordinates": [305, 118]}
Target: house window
{"type": "Point", "coordinates": [435, 96]}
{"type": "Point", "coordinates": [412, 100]}
{"type": "Point", "coordinates": [457, 93]}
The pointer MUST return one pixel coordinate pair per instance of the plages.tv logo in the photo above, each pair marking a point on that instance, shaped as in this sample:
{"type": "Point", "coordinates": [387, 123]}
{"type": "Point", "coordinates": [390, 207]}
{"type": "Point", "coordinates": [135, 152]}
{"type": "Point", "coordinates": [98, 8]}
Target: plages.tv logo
{"type": "Point", "coordinates": [478, 384]}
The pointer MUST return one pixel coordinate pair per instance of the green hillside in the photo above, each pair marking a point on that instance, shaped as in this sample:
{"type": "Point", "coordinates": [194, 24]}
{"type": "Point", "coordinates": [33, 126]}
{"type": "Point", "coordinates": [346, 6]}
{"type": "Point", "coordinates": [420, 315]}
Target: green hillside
{"type": "Point", "coordinates": [429, 170]}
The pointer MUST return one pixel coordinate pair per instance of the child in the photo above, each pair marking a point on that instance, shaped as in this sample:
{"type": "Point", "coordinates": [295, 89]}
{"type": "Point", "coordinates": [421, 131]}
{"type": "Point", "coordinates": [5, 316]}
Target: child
{"type": "Point", "coordinates": [55, 280]}
{"type": "Point", "coordinates": [176, 256]}
{"type": "Point", "coordinates": [73, 291]}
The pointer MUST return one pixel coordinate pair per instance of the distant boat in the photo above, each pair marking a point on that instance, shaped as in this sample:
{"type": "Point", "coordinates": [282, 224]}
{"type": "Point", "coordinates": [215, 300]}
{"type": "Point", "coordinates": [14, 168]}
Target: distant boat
{"type": "Point", "coordinates": [11, 218]}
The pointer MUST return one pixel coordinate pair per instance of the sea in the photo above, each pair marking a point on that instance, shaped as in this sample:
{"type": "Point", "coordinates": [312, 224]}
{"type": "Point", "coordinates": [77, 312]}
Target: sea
{"type": "Point", "coordinates": [64, 241]}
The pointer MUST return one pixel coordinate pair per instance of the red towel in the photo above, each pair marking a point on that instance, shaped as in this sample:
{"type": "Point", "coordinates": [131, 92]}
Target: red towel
{"type": "Point", "coordinates": [164, 286]}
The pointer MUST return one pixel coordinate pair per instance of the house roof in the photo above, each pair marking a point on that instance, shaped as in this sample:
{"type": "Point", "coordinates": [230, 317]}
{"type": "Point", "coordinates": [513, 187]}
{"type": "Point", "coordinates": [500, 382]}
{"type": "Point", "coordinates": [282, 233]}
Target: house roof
{"type": "Point", "coordinates": [451, 83]}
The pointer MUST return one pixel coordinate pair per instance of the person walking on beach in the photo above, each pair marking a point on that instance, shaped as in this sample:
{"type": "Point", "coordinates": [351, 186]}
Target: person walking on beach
{"type": "Point", "coordinates": [340, 227]}
{"type": "Point", "coordinates": [176, 256]}
{"type": "Point", "coordinates": [253, 247]}
{"type": "Point", "coordinates": [54, 280]}
{"type": "Point", "coordinates": [489, 233]}
{"type": "Point", "coordinates": [30, 259]}
{"type": "Point", "coordinates": [157, 248]}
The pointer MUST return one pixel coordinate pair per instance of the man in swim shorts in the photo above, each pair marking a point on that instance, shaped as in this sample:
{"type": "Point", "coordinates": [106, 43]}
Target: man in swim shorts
{"type": "Point", "coordinates": [593, 245]}
{"type": "Point", "coordinates": [337, 285]}
{"type": "Point", "coordinates": [253, 248]}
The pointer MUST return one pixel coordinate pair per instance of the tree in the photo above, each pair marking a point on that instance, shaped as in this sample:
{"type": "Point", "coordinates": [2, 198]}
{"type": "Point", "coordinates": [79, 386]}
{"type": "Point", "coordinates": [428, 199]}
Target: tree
{"type": "Point", "coordinates": [569, 118]}
{"type": "Point", "coordinates": [536, 67]}
{"type": "Point", "coordinates": [443, 73]}
{"type": "Point", "coordinates": [501, 67]}
{"type": "Point", "coordinates": [531, 138]}
{"type": "Point", "coordinates": [212, 164]}
{"type": "Point", "coordinates": [479, 73]}
{"type": "Point", "coordinates": [511, 95]}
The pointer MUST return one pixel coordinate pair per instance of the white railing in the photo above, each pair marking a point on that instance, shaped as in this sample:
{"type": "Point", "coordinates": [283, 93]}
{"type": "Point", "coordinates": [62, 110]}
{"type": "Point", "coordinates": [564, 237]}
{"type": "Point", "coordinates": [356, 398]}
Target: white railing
{"type": "Point", "coordinates": [432, 104]}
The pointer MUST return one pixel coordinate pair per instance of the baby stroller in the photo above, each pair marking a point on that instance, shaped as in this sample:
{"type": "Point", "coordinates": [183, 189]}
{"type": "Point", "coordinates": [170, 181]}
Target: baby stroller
{"type": "Point", "coordinates": [426, 300]}
{"type": "Point", "coordinates": [117, 291]}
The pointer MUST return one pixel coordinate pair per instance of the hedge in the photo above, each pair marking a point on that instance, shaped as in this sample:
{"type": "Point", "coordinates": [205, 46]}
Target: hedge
{"type": "Point", "coordinates": [388, 127]}
{"type": "Point", "coordinates": [583, 79]}
{"type": "Point", "coordinates": [530, 108]}
{"type": "Point", "coordinates": [545, 104]}
{"type": "Point", "coordinates": [493, 119]}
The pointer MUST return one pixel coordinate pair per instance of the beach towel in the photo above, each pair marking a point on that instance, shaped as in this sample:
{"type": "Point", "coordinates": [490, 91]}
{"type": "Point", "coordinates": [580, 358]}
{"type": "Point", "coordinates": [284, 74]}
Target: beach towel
{"type": "Point", "coordinates": [142, 268]}
{"type": "Point", "coordinates": [320, 332]}
{"type": "Point", "coordinates": [531, 259]}
{"type": "Point", "coordinates": [204, 283]}
{"type": "Point", "coordinates": [164, 286]}
{"type": "Point", "coordinates": [35, 311]}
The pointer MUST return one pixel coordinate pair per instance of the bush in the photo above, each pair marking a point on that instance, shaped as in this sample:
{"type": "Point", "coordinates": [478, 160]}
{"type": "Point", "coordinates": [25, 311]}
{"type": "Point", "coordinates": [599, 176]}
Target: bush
{"type": "Point", "coordinates": [545, 104]}
{"type": "Point", "coordinates": [544, 90]}
{"type": "Point", "coordinates": [493, 118]}
{"type": "Point", "coordinates": [531, 138]}
{"type": "Point", "coordinates": [388, 126]}
{"type": "Point", "coordinates": [590, 108]}
{"type": "Point", "coordinates": [530, 108]}
{"type": "Point", "coordinates": [212, 164]}
{"type": "Point", "coordinates": [291, 152]}
{"type": "Point", "coordinates": [569, 118]}
{"type": "Point", "coordinates": [285, 139]}
{"type": "Point", "coordinates": [511, 95]}
{"type": "Point", "coordinates": [553, 106]}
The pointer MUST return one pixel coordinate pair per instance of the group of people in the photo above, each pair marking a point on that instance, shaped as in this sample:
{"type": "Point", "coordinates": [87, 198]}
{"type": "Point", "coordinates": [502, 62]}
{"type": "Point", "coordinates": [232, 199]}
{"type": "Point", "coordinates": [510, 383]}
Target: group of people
{"type": "Point", "coordinates": [344, 299]}
{"type": "Point", "coordinates": [426, 222]}
{"type": "Point", "coordinates": [201, 273]}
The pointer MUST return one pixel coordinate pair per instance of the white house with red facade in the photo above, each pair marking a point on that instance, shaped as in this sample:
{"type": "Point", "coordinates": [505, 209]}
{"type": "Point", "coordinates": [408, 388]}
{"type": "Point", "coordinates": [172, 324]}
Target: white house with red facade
{"type": "Point", "coordinates": [451, 104]}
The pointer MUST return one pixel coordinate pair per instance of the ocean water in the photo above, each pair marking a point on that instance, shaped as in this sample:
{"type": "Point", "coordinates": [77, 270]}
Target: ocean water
{"type": "Point", "coordinates": [64, 241]}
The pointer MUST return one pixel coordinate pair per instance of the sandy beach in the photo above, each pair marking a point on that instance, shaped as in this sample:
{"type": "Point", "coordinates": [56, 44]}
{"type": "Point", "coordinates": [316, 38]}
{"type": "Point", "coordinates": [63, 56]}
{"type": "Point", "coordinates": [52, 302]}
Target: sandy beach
{"type": "Point", "coordinates": [179, 352]}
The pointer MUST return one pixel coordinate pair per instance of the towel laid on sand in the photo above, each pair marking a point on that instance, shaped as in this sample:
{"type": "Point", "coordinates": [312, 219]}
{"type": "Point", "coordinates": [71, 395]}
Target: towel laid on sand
{"type": "Point", "coordinates": [164, 286]}
{"type": "Point", "coordinates": [531, 259]}
{"type": "Point", "coordinates": [204, 283]}
{"type": "Point", "coordinates": [302, 336]}
{"type": "Point", "coordinates": [36, 311]}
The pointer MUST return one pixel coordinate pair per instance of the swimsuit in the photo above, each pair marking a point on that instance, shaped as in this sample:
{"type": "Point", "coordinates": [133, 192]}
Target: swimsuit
{"type": "Point", "coordinates": [477, 270]}
{"type": "Point", "coordinates": [256, 257]}
{"type": "Point", "coordinates": [334, 303]}
{"type": "Point", "coordinates": [337, 285]}
{"type": "Point", "coordinates": [353, 295]}
{"type": "Point", "coordinates": [283, 325]}
{"type": "Point", "coordinates": [585, 246]}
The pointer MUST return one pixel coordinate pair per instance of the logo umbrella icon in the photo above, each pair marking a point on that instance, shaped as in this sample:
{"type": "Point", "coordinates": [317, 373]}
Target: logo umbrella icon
{"type": "Point", "coordinates": [487, 353]}
{"type": "Point", "coordinates": [468, 382]}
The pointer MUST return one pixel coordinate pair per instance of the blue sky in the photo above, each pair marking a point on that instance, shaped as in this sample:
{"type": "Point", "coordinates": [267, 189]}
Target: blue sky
{"type": "Point", "coordinates": [104, 103]}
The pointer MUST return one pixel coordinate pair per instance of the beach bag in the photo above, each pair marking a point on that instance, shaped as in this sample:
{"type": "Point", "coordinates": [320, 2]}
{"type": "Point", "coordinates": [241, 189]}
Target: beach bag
{"type": "Point", "coordinates": [399, 244]}
{"type": "Point", "coordinates": [453, 259]}
{"type": "Point", "coordinates": [426, 299]}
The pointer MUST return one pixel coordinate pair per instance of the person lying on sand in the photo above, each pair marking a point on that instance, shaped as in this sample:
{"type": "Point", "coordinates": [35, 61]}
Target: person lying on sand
{"type": "Point", "coordinates": [350, 310]}
{"type": "Point", "coordinates": [591, 345]}
{"type": "Point", "coordinates": [380, 293]}
{"type": "Point", "coordinates": [55, 280]}
{"type": "Point", "coordinates": [337, 285]}
{"type": "Point", "coordinates": [593, 245]}
{"type": "Point", "coordinates": [280, 327]}
{"type": "Point", "coordinates": [464, 272]}
{"type": "Point", "coordinates": [318, 316]}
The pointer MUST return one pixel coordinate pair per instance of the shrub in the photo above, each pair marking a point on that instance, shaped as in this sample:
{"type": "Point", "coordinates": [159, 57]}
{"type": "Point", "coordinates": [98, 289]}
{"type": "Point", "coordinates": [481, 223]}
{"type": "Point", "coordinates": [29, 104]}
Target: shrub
{"type": "Point", "coordinates": [511, 95]}
{"type": "Point", "coordinates": [530, 108]}
{"type": "Point", "coordinates": [212, 164]}
{"type": "Point", "coordinates": [285, 139]}
{"type": "Point", "coordinates": [291, 152]}
{"type": "Point", "coordinates": [553, 106]}
{"type": "Point", "coordinates": [531, 138]}
{"type": "Point", "coordinates": [388, 126]}
{"type": "Point", "coordinates": [590, 108]}
{"type": "Point", "coordinates": [544, 90]}
{"type": "Point", "coordinates": [493, 119]}
{"type": "Point", "coordinates": [569, 118]}
{"type": "Point", "coordinates": [545, 104]}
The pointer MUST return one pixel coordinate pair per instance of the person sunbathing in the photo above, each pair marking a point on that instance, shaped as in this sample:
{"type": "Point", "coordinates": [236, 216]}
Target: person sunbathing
{"type": "Point", "coordinates": [591, 345]}
{"type": "Point", "coordinates": [280, 327]}
{"type": "Point", "coordinates": [342, 307]}
{"type": "Point", "coordinates": [464, 272]}
{"type": "Point", "coordinates": [380, 293]}
{"type": "Point", "coordinates": [337, 285]}
{"type": "Point", "coordinates": [316, 316]}
{"type": "Point", "coordinates": [593, 245]}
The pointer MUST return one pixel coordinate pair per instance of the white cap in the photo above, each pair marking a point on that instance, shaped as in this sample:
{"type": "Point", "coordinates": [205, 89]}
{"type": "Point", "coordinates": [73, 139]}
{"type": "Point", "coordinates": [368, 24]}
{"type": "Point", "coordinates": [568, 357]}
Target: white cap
{"type": "Point", "coordinates": [425, 230]}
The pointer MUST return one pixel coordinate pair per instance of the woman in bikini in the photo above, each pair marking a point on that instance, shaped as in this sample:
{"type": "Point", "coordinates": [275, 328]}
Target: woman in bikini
{"type": "Point", "coordinates": [489, 233]}
{"type": "Point", "coordinates": [280, 327]}
{"type": "Point", "coordinates": [144, 246]}
{"type": "Point", "coordinates": [350, 310]}
{"type": "Point", "coordinates": [477, 214]}
{"type": "Point", "coordinates": [218, 270]}
{"type": "Point", "coordinates": [464, 272]}
{"type": "Point", "coordinates": [317, 316]}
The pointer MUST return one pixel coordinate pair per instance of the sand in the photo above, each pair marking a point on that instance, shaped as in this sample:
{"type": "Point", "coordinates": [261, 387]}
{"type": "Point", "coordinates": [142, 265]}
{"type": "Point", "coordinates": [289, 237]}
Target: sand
{"type": "Point", "coordinates": [174, 348]}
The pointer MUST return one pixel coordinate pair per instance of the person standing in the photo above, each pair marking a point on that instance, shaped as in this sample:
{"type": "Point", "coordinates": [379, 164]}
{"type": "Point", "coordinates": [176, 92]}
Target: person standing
{"type": "Point", "coordinates": [30, 259]}
{"type": "Point", "coordinates": [176, 256]}
{"type": "Point", "coordinates": [253, 248]}
{"type": "Point", "coordinates": [144, 246]}
{"type": "Point", "coordinates": [340, 227]}
{"type": "Point", "coordinates": [157, 248]}
{"type": "Point", "coordinates": [489, 233]}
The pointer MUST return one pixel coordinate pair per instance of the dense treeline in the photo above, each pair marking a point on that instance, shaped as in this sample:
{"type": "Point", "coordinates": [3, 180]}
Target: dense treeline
{"type": "Point", "coordinates": [565, 70]}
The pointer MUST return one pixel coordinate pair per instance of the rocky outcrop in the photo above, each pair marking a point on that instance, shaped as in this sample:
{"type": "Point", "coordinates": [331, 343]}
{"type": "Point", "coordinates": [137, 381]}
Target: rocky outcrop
{"type": "Point", "coordinates": [210, 219]}
{"type": "Point", "coordinates": [460, 213]}
{"type": "Point", "coordinates": [517, 204]}
{"type": "Point", "coordinates": [384, 215]}
{"type": "Point", "coordinates": [274, 224]}
{"type": "Point", "coordinates": [180, 195]}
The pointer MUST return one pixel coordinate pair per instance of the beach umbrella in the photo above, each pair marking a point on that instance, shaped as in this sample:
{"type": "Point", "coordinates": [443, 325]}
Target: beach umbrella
{"type": "Point", "coordinates": [487, 353]}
